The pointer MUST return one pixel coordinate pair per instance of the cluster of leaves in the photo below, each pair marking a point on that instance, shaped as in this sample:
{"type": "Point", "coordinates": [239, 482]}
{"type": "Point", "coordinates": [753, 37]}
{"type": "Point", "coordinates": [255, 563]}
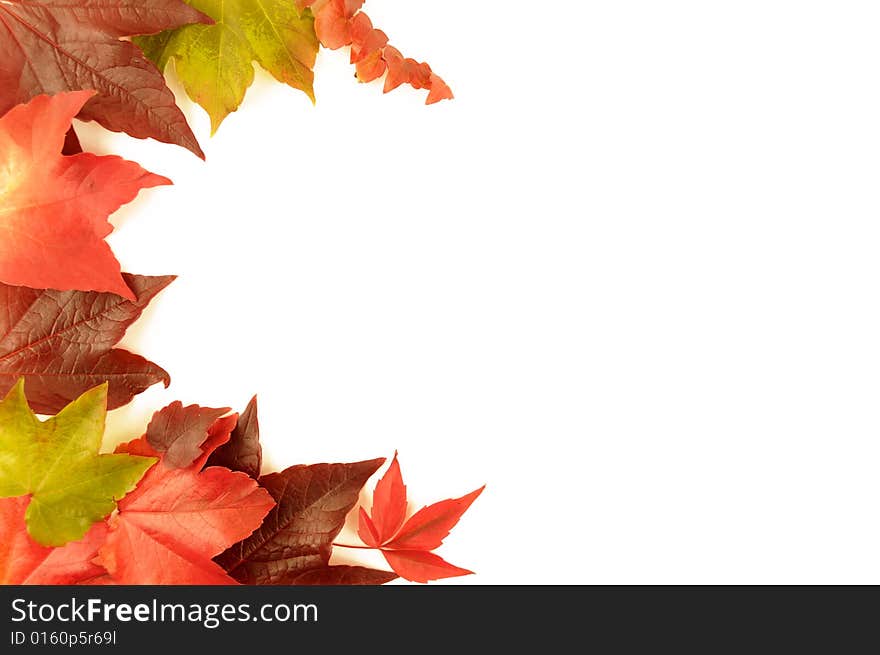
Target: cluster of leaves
{"type": "Point", "coordinates": [50, 47]}
{"type": "Point", "coordinates": [185, 503]}
{"type": "Point", "coordinates": [340, 23]}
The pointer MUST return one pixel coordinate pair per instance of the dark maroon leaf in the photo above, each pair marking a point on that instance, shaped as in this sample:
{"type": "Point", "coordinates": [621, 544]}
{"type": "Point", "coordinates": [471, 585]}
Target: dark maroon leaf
{"type": "Point", "coordinates": [50, 46]}
{"type": "Point", "coordinates": [179, 432]}
{"type": "Point", "coordinates": [71, 143]}
{"type": "Point", "coordinates": [62, 342]}
{"type": "Point", "coordinates": [242, 452]}
{"type": "Point", "coordinates": [341, 575]}
{"type": "Point", "coordinates": [312, 502]}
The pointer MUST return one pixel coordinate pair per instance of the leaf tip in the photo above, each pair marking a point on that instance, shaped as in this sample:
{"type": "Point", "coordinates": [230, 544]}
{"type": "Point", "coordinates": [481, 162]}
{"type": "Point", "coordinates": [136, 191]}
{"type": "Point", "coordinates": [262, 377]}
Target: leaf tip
{"type": "Point", "coordinates": [17, 388]}
{"type": "Point", "coordinates": [160, 180]}
{"type": "Point", "coordinates": [97, 395]}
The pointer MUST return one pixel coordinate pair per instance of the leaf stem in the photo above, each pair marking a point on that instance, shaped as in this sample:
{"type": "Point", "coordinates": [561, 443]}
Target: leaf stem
{"type": "Point", "coordinates": [352, 546]}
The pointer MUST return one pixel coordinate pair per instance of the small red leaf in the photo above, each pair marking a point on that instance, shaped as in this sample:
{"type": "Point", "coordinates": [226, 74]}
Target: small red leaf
{"type": "Point", "coordinates": [421, 566]}
{"type": "Point", "coordinates": [365, 39]}
{"type": "Point", "coordinates": [371, 68]}
{"type": "Point", "coordinates": [389, 503]}
{"type": "Point", "coordinates": [428, 527]}
{"type": "Point", "coordinates": [439, 91]}
{"type": "Point", "coordinates": [332, 26]}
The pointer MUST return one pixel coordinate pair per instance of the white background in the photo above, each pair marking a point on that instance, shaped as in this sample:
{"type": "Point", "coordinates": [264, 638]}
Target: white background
{"type": "Point", "coordinates": [628, 279]}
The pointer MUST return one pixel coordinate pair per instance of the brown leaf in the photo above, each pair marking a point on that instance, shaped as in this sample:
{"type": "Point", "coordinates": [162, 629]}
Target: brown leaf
{"type": "Point", "coordinates": [312, 503]}
{"type": "Point", "coordinates": [243, 451]}
{"type": "Point", "coordinates": [61, 342]}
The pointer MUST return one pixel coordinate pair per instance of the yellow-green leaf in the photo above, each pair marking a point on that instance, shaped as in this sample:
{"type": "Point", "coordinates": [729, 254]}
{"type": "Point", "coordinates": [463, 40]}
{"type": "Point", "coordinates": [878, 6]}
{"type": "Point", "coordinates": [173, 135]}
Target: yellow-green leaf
{"type": "Point", "coordinates": [215, 62]}
{"type": "Point", "coordinates": [57, 462]}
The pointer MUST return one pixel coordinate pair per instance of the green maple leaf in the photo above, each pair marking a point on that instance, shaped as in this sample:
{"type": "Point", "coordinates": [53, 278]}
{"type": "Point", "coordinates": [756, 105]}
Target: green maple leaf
{"type": "Point", "coordinates": [57, 463]}
{"type": "Point", "coordinates": [215, 62]}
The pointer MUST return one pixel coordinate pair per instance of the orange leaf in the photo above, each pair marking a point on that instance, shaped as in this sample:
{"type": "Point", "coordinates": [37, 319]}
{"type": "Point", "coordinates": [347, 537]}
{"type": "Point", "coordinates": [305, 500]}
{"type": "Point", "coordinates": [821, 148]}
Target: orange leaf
{"type": "Point", "coordinates": [340, 23]}
{"type": "Point", "coordinates": [428, 527]}
{"type": "Point", "coordinates": [24, 561]}
{"type": "Point", "coordinates": [389, 502]}
{"type": "Point", "coordinates": [421, 566]}
{"type": "Point", "coordinates": [371, 68]}
{"type": "Point", "coordinates": [54, 209]}
{"type": "Point", "coordinates": [177, 519]}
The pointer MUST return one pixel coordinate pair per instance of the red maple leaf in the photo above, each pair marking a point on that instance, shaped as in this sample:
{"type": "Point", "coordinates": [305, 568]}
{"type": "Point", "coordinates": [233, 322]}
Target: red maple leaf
{"type": "Point", "coordinates": [406, 546]}
{"type": "Point", "coordinates": [170, 527]}
{"type": "Point", "coordinates": [54, 209]}
{"type": "Point", "coordinates": [24, 561]}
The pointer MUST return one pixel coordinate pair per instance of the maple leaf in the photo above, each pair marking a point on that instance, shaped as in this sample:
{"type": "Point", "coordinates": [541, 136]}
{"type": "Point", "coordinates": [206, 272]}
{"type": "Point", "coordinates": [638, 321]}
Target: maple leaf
{"type": "Point", "coordinates": [52, 46]}
{"type": "Point", "coordinates": [24, 561]}
{"type": "Point", "coordinates": [71, 486]}
{"type": "Point", "coordinates": [179, 432]}
{"type": "Point", "coordinates": [54, 209]}
{"type": "Point", "coordinates": [311, 505]}
{"type": "Point", "coordinates": [167, 530]}
{"type": "Point", "coordinates": [406, 545]}
{"type": "Point", "coordinates": [215, 62]}
{"type": "Point", "coordinates": [342, 575]}
{"type": "Point", "coordinates": [243, 451]}
{"type": "Point", "coordinates": [61, 343]}
{"type": "Point", "coordinates": [340, 23]}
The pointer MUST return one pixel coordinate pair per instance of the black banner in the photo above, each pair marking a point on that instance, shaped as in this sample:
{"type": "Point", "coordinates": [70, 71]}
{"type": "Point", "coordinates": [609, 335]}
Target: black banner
{"type": "Point", "coordinates": [413, 619]}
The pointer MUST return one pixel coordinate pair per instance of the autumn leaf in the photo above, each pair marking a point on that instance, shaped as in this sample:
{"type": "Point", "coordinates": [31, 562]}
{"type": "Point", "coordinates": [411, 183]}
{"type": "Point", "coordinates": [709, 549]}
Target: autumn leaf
{"type": "Point", "coordinates": [297, 535]}
{"type": "Point", "coordinates": [24, 561]}
{"type": "Point", "coordinates": [406, 545]}
{"type": "Point", "coordinates": [389, 508]}
{"type": "Point", "coordinates": [48, 47]}
{"type": "Point", "coordinates": [421, 565]}
{"type": "Point", "coordinates": [215, 62]}
{"type": "Point", "coordinates": [71, 486]}
{"type": "Point", "coordinates": [427, 528]}
{"type": "Point", "coordinates": [179, 432]}
{"type": "Point", "coordinates": [342, 575]}
{"type": "Point", "coordinates": [61, 343]}
{"type": "Point", "coordinates": [243, 451]}
{"type": "Point", "coordinates": [340, 23]}
{"type": "Point", "coordinates": [167, 530]}
{"type": "Point", "coordinates": [54, 209]}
